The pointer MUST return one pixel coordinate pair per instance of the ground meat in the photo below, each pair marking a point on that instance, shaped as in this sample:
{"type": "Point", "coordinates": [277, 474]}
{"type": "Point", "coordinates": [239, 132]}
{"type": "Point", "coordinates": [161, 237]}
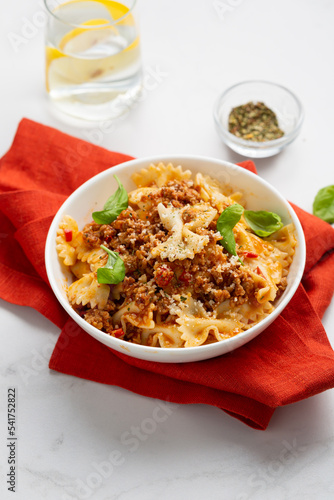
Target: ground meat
{"type": "Point", "coordinates": [202, 283]}
{"type": "Point", "coordinates": [163, 303]}
{"type": "Point", "coordinates": [99, 319]}
{"type": "Point", "coordinates": [127, 284]}
{"type": "Point", "coordinates": [107, 233]}
{"type": "Point", "coordinates": [281, 287]}
{"type": "Point", "coordinates": [92, 234]}
{"type": "Point", "coordinates": [179, 193]}
{"type": "Point", "coordinates": [110, 306]}
{"type": "Point", "coordinates": [139, 292]}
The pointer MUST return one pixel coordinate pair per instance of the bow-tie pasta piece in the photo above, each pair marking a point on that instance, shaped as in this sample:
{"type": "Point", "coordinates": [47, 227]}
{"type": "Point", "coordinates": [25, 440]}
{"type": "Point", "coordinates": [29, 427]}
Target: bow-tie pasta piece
{"type": "Point", "coordinates": [88, 291]}
{"type": "Point", "coordinates": [67, 240]}
{"type": "Point", "coordinates": [183, 243]}
{"type": "Point", "coordinates": [160, 174]}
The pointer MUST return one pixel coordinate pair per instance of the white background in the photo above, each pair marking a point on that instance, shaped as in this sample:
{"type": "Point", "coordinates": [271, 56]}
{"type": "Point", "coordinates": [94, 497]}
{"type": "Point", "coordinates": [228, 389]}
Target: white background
{"type": "Point", "coordinates": [66, 426]}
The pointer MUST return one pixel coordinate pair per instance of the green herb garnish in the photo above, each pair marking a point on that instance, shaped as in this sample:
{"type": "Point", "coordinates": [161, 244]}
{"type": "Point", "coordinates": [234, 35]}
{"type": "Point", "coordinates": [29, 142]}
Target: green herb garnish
{"type": "Point", "coordinates": [323, 205]}
{"type": "Point", "coordinates": [183, 298]}
{"type": "Point", "coordinates": [114, 270]}
{"type": "Point", "coordinates": [225, 224]}
{"type": "Point", "coordinates": [263, 223]}
{"type": "Point", "coordinates": [114, 205]}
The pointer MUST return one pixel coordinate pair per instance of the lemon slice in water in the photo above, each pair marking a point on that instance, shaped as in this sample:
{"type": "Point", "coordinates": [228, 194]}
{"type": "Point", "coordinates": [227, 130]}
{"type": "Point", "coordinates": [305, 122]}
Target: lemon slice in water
{"type": "Point", "coordinates": [92, 50]}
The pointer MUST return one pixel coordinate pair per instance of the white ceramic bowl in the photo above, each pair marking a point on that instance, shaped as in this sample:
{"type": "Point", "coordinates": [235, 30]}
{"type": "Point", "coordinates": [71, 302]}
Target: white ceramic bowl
{"type": "Point", "coordinates": [92, 195]}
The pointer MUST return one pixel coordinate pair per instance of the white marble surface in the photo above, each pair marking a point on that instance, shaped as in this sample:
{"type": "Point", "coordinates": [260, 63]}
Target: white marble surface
{"type": "Point", "coordinates": [73, 432]}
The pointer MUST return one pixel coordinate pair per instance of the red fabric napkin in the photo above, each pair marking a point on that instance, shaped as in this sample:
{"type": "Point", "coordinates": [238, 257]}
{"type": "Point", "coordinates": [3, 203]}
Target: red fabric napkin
{"type": "Point", "coordinates": [290, 361]}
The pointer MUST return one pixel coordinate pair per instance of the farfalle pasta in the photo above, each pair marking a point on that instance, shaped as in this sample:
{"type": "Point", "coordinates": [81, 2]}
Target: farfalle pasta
{"type": "Point", "coordinates": [183, 286]}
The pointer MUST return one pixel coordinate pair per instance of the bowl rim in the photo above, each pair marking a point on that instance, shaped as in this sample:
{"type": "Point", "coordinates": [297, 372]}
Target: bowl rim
{"type": "Point", "coordinates": [160, 352]}
{"type": "Point", "coordinates": [274, 143]}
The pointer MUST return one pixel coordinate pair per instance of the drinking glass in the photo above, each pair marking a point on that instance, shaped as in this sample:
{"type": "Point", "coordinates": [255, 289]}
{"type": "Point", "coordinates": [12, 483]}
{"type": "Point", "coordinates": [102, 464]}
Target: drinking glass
{"type": "Point", "coordinates": [93, 62]}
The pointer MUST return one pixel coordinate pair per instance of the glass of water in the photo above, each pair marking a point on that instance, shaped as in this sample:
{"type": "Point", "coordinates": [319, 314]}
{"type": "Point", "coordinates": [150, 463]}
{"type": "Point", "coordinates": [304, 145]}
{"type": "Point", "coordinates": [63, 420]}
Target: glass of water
{"type": "Point", "coordinates": [93, 62]}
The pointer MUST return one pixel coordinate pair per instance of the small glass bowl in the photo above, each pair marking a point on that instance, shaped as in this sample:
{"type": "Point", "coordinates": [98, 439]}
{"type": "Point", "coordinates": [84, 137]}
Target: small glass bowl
{"type": "Point", "coordinates": [283, 102]}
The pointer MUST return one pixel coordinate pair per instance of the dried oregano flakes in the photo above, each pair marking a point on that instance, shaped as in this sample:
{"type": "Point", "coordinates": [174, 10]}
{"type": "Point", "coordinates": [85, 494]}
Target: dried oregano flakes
{"type": "Point", "coordinates": [254, 121]}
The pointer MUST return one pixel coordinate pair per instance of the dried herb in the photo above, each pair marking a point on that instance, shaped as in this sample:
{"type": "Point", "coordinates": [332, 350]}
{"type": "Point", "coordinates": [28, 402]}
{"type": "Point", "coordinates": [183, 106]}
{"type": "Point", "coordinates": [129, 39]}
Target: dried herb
{"type": "Point", "coordinates": [254, 121]}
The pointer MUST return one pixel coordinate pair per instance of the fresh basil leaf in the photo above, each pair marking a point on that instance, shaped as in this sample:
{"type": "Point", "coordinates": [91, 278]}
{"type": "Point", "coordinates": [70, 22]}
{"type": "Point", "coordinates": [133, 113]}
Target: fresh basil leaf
{"type": "Point", "coordinates": [114, 205]}
{"type": "Point", "coordinates": [225, 224]}
{"type": "Point", "coordinates": [323, 205]}
{"type": "Point", "coordinates": [263, 223]}
{"type": "Point", "coordinates": [114, 270]}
